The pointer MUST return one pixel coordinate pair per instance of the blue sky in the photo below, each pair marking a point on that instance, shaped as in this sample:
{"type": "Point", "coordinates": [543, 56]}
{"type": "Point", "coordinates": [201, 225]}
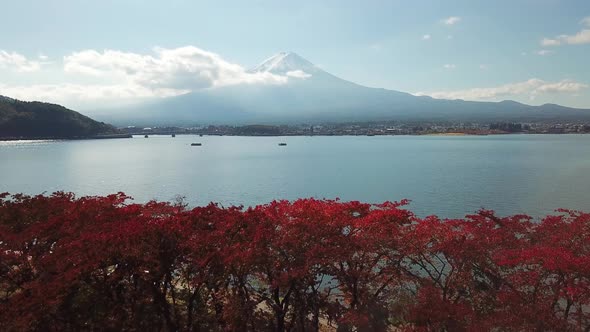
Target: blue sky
{"type": "Point", "coordinates": [80, 52]}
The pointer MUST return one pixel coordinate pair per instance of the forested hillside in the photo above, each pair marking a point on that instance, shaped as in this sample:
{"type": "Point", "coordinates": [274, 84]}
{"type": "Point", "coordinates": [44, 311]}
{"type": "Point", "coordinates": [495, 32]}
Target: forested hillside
{"type": "Point", "coordinates": [19, 119]}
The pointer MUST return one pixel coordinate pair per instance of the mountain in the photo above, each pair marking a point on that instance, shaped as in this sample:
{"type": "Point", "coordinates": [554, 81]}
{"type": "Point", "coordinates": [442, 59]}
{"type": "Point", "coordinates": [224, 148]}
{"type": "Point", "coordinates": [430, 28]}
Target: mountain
{"type": "Point", "coordinates": [19, 119]}
{"type": "Point", "coordinates": [312, 94]}
{"type": "Point", "coordinates": [284, 62]}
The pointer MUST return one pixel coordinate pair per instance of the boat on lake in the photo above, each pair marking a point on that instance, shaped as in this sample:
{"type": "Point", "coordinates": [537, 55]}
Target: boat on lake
{"type": "Point", "coordinates": [282, 144]}
{"type": "Point", "coordinates": [196, 144]}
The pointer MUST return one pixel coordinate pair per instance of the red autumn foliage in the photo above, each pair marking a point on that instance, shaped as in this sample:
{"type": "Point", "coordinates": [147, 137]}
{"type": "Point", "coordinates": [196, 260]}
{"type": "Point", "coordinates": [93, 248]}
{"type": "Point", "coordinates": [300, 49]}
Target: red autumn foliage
{"type": "Point", "coordinates": [104, 263]}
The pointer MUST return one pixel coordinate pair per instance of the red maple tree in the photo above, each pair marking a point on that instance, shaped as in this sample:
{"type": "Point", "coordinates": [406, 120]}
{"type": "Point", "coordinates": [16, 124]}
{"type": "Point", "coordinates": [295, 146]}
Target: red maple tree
{"type": "Point", "coordinates": [106, 263]}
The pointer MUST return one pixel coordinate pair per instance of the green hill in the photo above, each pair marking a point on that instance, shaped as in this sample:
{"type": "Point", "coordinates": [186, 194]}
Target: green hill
{"type": "Point", "coordinates": [20, 119]}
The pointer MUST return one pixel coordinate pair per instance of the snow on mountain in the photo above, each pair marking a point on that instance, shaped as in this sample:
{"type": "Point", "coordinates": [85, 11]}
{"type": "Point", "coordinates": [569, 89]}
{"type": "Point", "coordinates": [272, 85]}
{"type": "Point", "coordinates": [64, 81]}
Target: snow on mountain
{"type": "Point", "coordinates": [289, 64]}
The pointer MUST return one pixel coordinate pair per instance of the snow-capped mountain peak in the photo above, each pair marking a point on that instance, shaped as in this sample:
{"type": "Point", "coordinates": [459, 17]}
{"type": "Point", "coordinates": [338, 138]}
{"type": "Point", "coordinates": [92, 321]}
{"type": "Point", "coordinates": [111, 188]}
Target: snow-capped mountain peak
{"type": "Point", "coordinates": [286, 63]}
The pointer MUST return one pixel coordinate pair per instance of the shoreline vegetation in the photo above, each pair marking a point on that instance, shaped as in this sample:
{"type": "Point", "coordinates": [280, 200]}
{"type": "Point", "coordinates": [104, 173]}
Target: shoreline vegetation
{"type": "Point", "coordinates": [106, 263]}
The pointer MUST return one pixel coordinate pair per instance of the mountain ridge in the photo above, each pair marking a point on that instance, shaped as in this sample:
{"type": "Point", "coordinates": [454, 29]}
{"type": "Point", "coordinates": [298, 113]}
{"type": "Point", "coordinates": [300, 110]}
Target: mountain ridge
{"type": "Point", "coordinates": [312, 94]}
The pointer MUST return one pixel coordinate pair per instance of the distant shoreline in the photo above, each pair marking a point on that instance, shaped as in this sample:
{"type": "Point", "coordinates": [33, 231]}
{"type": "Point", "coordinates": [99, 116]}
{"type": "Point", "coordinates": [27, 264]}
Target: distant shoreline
{"type": "Point", "coordinates": [49, 138]}
{"type": "Point", "coordinates": [454, 134]}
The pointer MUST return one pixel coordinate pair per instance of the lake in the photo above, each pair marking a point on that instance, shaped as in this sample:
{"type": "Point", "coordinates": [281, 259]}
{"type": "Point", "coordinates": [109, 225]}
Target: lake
{"type": "Point", "coordinates": [442, 175]}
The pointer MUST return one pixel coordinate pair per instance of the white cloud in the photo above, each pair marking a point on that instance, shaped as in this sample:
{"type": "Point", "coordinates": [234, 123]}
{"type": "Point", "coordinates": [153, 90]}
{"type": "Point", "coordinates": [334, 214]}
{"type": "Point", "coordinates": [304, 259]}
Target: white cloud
{"type": "Point", "coordinates": [531, 87]}
{"type": "Point", "coordinates": [451, 20]}
{"type": "Point", "coordinates": [298, 74]}
{"type": "Point", "coordinates": [110, 76]}
{"type": "Point", "coordinates": [581, 37]}
{"type": "Point", "coordinates": [184, 68]}
{"type": "Point", "coordinates": [549, 42]}
{"type": "Point", "coordinates": [18, 62]}
{"type": "Point", "coordinates": [450, 66]}
{"type": "Point", "coordinates": [426, 37]}
{"type": "Point", "coordinates": [75, 94]}
{"type": "Point", "coordinates": [544, 52]}
{"type": "Point", "coordinates": [562, 86]}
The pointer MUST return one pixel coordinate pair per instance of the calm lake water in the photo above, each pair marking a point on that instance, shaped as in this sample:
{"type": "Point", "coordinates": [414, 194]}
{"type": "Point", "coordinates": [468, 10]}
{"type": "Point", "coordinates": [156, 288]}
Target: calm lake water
{"type": "Point", "coordinates": [447, 176]}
